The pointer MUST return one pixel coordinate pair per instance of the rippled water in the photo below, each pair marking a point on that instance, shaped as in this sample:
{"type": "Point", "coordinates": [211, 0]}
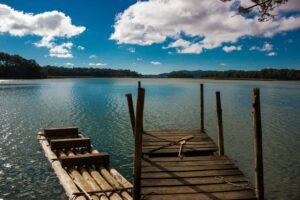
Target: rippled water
{"type": "Point", "coordinates": [99, 108]}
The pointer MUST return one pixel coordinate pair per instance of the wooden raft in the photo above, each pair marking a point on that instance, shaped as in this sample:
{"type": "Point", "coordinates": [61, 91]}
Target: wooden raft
{"type": "Point", "coordinates": [83, 172]}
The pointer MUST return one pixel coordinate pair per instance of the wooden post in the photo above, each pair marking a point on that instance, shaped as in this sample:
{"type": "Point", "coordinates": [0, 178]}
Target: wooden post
{"type": "Point", "coordinates": [258, 151]}
{"type": "Point", "coordinates": [138, 144]}
{"type": "Point", "coordinates": [131, 111]}
{"type": "Point", "coordinates": [139, 84]}
{"type": "Point", "coordinates": [220, 124]}
{"type": "Point", "coordinates": [201, 108]}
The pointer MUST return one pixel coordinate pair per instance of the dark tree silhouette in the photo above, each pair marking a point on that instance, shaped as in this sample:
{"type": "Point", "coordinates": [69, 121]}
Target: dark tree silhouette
{"type": "Point", "coordinates": [264, 7]}
{"type": "Point", "coordinates": [14, 66]}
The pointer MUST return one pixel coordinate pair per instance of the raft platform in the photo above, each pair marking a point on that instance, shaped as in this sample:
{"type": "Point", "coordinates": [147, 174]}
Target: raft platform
{"type": "Point", "coordinates": [188, 164]}
{"type": "Point", "coordinates": [84, 173]}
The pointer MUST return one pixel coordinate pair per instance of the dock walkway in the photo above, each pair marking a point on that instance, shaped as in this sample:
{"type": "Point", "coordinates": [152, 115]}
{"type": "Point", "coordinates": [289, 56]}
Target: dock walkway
{"type": "Point", "coordinates": [185, 164]}
{"type": "Point", "coordinates": [198, 173]}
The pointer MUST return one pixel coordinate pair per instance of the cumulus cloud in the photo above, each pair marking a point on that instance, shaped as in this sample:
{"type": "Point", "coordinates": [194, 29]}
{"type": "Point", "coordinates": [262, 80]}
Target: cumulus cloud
{"type": "Point", "coordinates": [97, 64]}
{"type": "Point", "coordinates": [68, 64]}
{"type": "Point", "coordinates": [80, 48]}
{"type": "Point", "coordinates": [155, 63]}
{"type": "Point", "coordinates": [131, 50]}
{"type": "Point", "coordinates": [93, 56]}
{"type": "Point", "coordinates": [47, 25]}
{"type": "Point", "coordinates": [61, 51]}
{"type": "Point", "coordinates": [191, 25]}
{"type": "Point", "coordinates": [271, 54]}
{"type": "Point", "coordinates": [265, 47]}
{"type": "Point", "coordinates": [228, 49]}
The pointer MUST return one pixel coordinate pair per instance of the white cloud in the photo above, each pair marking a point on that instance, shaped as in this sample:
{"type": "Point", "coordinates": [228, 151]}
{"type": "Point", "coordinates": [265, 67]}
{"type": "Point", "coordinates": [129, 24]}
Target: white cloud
{"type": "Point", "coordinates": [80, 48]}
{"type": "Point", "coordinates": [61, 51]}
{"type": "Point", "coordinates": [93, 56]}
{"type": "Point", "coordinates": [223, 64]}
{"type": "Point", "coordinates": [139, 59]}
{"type": "Point", "coordinates": [271, 53]}
{"type": "Point", "coordinates": [97, 64]}
{"type": "Point", "coordinates": [131, 50]}
{"type": "Point", "coordinates": [212, 23]}
{"type": "Point", "coordinates": [68, 64]}
{"type": "Point", "coordinates": [264, 48]}
{"type": "Point", "coordinates": [228, 49]}
{"type": "Point", "coordinates": [47, 25]}
{"type": "Point", "coordinates": [155, 63]}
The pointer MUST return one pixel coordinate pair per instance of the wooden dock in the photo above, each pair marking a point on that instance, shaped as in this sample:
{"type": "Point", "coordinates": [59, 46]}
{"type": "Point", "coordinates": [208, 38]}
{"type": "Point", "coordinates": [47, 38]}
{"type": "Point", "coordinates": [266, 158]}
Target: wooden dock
{"type": "Point", "coordinates": [84, 173]}
{"type": "Point", "coordinates": [188, 164]}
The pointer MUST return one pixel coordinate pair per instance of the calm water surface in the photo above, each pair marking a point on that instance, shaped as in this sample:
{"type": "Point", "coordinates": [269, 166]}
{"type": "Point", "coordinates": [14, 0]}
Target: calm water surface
{"type": "Point", "coordinates": [99, 108]}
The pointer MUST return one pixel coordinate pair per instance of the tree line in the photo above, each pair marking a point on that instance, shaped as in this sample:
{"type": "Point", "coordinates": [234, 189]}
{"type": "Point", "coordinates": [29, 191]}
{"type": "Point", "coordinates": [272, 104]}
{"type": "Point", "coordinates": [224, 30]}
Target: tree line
{"type": "Point", "coordinates": [276, 74]}
{"type": "Point", "coordinates": [17, 67]}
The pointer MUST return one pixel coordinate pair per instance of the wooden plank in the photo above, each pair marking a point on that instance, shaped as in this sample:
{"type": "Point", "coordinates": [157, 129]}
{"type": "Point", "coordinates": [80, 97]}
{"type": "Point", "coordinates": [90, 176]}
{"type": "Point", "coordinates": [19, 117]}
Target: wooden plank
{"type": "Point", "coordinates": [65, 180]}
{"type": "Point", "coordinates": [220, 124]}
{"type": "Point", "coordinates": [193, 181]}
{"type": "Point", "coordinates": [173, 139]}
{"type": "Point", "coordinates": [203, 196]}
{"type": "Point", "coordinates": [188, 189]}
{"type": "Point", "coordinates": [103, 184]}
{"type": "Point", "coordinates": [138, 144]}
{"type": "Point", "coordinates": [61, 132]}
{"type": "Point", "coordinates": [187, 163]}
{"type": "Point", "coordinates": [202, 107]}
{"type": "Point", "coordinates": [193, 158]}
{"type": "Point", "coordinates": [131, 111]}
{"type": "Point", "coordinates": [187, 131]}
{"type": "Point", "coordinates": [176, 146]}
{"type": "Point", "coordinates": [118, 178]}
{"type": "Point", "coordinates": [170, 136]}
{"type": "Point", "coordinates": [186, 168]}
{"type": "Point", "coordinates": [185, 150]}
{"type": "Point", "coordinates": [160, 143]}
{"type": "Point", "coordinates": [208, 173]}
{"type": "Point", "coordinates": [70, 143]}
{"type": "Point", "coordinates": [80, 160]}
{"type": "Point", "coordinates": [258, 150]}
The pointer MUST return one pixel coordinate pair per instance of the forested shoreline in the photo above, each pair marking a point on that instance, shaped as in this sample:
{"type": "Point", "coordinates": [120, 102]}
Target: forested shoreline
{"type": "Point", "coordinates": [17, 67]}
{"type": "Point", "coordinates": [264, 74]}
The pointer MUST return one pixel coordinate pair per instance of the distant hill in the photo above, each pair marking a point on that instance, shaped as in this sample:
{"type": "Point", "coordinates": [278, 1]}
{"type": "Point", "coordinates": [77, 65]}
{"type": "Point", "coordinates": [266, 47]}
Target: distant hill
{"type": "Point", "coordinates": [17, 67]}
{"type": "Point", "coordinates": [276, 74]}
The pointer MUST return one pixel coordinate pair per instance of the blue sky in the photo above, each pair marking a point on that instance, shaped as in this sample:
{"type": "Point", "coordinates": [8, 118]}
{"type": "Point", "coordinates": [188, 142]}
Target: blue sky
{"type": "Point", "coordinates": [149, 37]}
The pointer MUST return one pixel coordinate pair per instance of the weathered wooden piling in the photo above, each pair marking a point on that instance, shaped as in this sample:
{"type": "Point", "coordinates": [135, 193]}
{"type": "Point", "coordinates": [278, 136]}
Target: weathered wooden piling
{"type": "Point", "coordinates": [220, 124]}
{"type": "Point", "coordinates": [139, 84]}
{"type": "Point", "coordinates": [258, 151]}
{"type": "Point", "coordinates": [202, 107]}
{"type": "Point", "coordinates": [138, 144]}
{"type": "Point", "coordinates": [131, 111]}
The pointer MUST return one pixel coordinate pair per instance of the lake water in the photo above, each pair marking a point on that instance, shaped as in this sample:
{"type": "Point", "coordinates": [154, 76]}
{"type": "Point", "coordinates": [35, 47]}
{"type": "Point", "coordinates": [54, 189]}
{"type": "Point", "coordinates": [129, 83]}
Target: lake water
{"type": "Point", "coordinates": [99, 108]}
